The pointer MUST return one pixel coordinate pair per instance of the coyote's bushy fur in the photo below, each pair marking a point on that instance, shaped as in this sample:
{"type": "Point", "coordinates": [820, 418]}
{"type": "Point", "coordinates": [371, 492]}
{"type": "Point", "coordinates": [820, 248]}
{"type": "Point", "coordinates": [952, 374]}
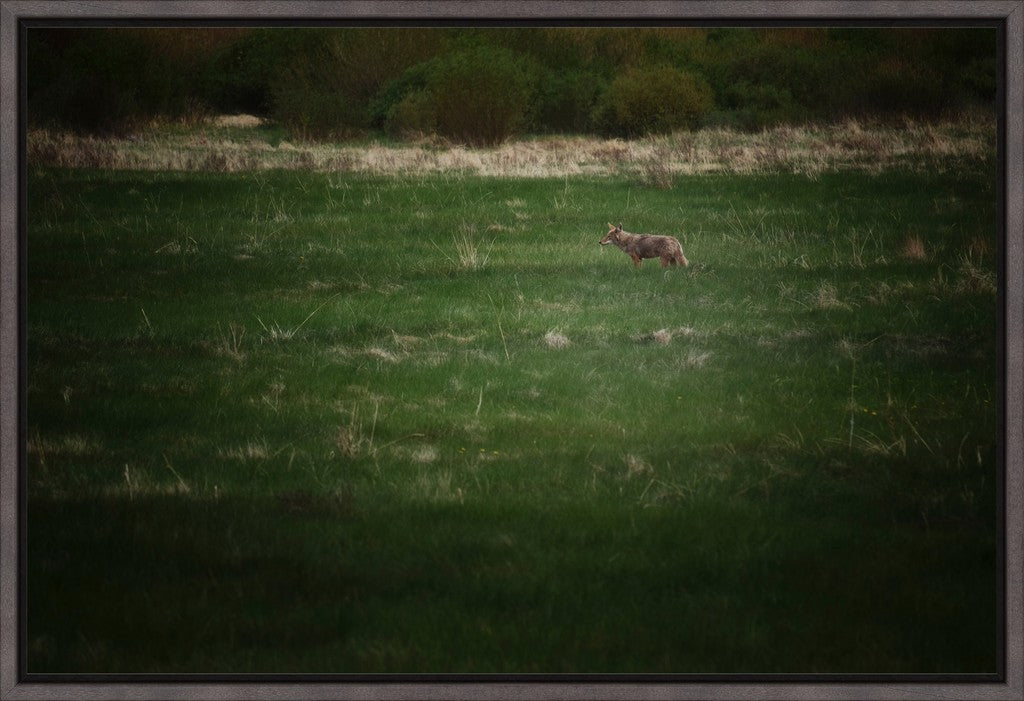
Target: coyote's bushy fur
{"type": "Point", "coordinates": [640, 246]}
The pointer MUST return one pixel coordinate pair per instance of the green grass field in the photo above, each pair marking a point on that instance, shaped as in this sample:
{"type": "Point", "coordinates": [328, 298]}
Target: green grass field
{"type": "Point", "coordinates": [326, 422]}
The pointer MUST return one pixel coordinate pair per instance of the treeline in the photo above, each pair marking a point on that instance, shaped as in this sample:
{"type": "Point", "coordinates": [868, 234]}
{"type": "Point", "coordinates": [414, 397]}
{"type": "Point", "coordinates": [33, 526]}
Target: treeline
{"type": "Point", "coordinates": [481, 86]}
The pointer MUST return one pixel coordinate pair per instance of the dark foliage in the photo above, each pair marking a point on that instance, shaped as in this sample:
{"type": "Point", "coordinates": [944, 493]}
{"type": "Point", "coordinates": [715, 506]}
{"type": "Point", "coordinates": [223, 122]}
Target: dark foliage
{"type": "Point", "coordinates": [660, 99]}
{"type": "Point", "coordinates": [480, 96]}
{"type": "Point", "coordinates": [483, 85]}
{"type": "Point", "coordinates": [102, 81]}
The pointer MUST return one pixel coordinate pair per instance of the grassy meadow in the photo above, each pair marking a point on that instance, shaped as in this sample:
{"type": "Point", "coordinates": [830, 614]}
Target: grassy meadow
{"type": "Point", "coordinates": [330, 420]}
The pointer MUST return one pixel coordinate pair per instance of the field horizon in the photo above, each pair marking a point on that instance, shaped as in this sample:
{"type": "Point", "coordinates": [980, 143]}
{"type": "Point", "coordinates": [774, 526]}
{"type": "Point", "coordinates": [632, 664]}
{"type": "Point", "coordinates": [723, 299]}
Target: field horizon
{"type": "Point", "coordinates": [244, 143]}
{"type": "Point", "coordinates": [289, 413]}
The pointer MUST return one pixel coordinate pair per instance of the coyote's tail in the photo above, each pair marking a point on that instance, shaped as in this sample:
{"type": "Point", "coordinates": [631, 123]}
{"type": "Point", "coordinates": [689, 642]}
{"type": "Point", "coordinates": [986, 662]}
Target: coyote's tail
{"type": "Point", "coordinates": [681, 259]}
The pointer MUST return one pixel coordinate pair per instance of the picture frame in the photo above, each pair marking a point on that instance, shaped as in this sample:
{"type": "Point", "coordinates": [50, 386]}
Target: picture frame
{"type": "Point", "coordinates": [13, 683]}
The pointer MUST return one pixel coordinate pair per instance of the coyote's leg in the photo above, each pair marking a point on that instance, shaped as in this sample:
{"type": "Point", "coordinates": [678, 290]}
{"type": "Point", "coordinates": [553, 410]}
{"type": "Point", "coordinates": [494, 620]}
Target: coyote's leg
{"type": "Point", "coordinates": [637, 260]}
{"type": "Point", "coordinates": [666, 261]}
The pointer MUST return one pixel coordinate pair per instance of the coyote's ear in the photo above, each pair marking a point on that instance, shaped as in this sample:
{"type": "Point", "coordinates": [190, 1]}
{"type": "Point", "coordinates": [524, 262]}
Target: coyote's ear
{"type": "Point", "coordinates": [611, 227]}
{"type": "Point", "coordinates": [620, 227]}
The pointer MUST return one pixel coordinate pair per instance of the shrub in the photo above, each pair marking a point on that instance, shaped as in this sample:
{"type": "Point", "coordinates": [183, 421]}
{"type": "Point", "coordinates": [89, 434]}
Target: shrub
{"type": "Point", "coordinates": [102, 81]}
{"type": "Point", "coordinates": [979, 79]}
{"type": "Point", "coordinates": [326, 89]}
{"type": "Point", "coordinates": [413, 116]}
{"type": "Point", "coordinates": [658, 99]}
{"type": "Point", "coordinates": [756, 107]}
{"type": "Point", "coordinates": [480, 96]}
{"type": "Point", "coordinates": [238, 76]}
{"type": "Point", "coordinates": [403, 105]}
{"type": "Point", "coordinates": [565, 101]}
{"type": "Point", "coordinates": [762, 77]}
{"type": "Point", "coordinates": [310, 115]}
{"type": "Point", "coordinates": [892, 88]}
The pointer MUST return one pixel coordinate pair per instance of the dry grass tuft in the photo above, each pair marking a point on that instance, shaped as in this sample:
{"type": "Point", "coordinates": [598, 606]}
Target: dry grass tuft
{"type": "Point", "coordinates": [139, 482]}
{"type": "Point", "coordinates": [884, 292]}
{"type": "Point", "coordinates": [662, 336]}
{"type": "Point", "coordinates": [244, 121]}
{"type": "Point", "coordinates": [467, 254]}
{"type": "Point", "coordinates": [383, 354]}
{"type": "Point", "coordinates": [229, 342]}
{"type": "Point", "coordinates": [637, 467]}
{"type": "Point", "coordinates": [437, 487]}
{"type": "Point", "coordinates": [979, 247]}
{"type": "Point", "coordinates": [696, 358]}
{"type": "Point", "coordinates": [353, 438]}
{"type": "Point", "coordinates": [656, 169]}
{"type": "Point", "coordinates": [826, 297]}
{"type": "Point", "coordinates": [425, 454]}
{"type": "Point", "coordinates": [913, 248]}
{"type": "Point", "coordinates": [405, 341]}
{"type": "Point", "coordinates": [975, 278]}
{"type": "Point", "coordinates": [687, 331]}
{"type": "Point", "coordinates": [554, 339]}
{"type": "Point", "coordinates": [69, 444]}
{"type": "Point", "coordinates": [348, 441]}
{"type": "Point", "coordinates": [256, 450]}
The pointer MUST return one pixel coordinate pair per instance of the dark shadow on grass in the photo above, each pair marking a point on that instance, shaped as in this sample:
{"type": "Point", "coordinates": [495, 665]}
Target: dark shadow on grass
{"type": "Point", "coordinates": [303, 582]}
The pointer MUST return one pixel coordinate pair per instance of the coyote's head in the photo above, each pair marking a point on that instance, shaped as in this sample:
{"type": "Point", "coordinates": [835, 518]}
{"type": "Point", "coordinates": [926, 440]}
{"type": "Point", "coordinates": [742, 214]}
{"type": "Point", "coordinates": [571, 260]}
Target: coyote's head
{"type": "Point", "coordinates": [612, 235]}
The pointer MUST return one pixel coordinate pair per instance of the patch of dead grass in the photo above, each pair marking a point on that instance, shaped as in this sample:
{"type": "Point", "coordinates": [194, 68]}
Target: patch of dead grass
{"type": "Point", "coordinates": [254, 450]}
{"type": "Point", "coordinates": [384, 354]}
{"type": "Point", "coordinates": [424, 454]}
{"type": "Point", "coordinates": [913, 248]}
{"type": "Point", "coordinates": [827, 297]}
{"type": "Point", "coordinates": [556, 340]}
{"type": "Point", "coordinates": [243, 121]}
{"type": "Point", "coordinates": [69, 444]}
{"type": "Point", "coordinates": [636, 466]}
{"type": "Point", "coordinates": [695, 359]}
{"type": "Point", "coordinates": [656, 159]}
{"type": "Point", "coordinates": [661, 336]}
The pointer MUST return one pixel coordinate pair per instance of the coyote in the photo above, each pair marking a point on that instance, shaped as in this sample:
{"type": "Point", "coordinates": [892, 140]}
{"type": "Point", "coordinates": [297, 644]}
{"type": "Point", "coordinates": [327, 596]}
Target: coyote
{"type": "Point", "coordinates": [640, 246]}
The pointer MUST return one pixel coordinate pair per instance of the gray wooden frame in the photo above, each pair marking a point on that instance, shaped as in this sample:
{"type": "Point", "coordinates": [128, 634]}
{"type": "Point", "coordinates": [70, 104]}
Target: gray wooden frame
{"type": "Point", "coordinates": [12, 11]}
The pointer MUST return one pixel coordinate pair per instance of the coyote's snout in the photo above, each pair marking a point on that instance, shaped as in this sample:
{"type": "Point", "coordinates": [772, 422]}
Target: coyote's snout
{"type": "Point", "coordinates": [640, 246]}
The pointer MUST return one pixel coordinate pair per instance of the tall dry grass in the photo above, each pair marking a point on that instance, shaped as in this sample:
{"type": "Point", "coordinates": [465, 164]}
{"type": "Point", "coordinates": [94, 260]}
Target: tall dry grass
{"type": "Point", "coordinates": [653, 160]}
